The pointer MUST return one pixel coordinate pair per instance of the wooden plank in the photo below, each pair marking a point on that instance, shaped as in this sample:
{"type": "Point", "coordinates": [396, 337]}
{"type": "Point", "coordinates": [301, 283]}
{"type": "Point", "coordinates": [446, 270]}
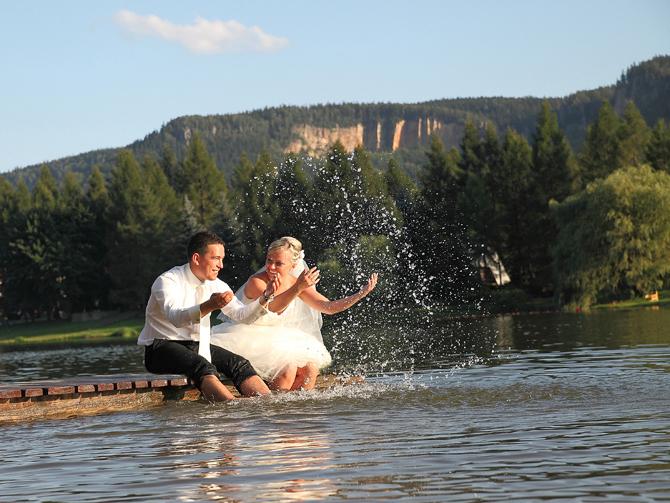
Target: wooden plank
{"type": "Point", "coordinates": [179, 381]}
{"type": "Point", "coordinates": [66, 398]}
{"type": "Point", "coordinates": [11, 393]}
{"type": "Point", "coordinates": [60, 390]}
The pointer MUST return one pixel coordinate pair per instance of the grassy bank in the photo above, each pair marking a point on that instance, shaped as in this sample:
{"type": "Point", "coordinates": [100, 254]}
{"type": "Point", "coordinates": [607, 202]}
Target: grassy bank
{"type": "Point", "coordinates": [664, 298]}
{"type": "Point", "coordinates": [125, 327]}
{"type": "Point", "coordinates": [122, 327]}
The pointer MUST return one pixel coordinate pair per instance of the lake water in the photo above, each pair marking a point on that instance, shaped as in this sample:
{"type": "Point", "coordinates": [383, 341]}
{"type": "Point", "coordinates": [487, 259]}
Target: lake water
{"type": "Point", "coordinates": [521, 408]}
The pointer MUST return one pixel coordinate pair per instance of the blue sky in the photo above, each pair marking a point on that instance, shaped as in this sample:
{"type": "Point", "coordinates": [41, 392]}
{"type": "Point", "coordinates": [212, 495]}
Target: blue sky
{"type": "Point", "coordinates": [82, 75]}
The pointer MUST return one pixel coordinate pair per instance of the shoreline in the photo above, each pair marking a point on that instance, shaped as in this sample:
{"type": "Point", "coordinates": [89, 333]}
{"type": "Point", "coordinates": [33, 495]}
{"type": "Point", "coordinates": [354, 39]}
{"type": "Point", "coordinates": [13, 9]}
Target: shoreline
{"type": "Point", "coordinates": [125, 327]}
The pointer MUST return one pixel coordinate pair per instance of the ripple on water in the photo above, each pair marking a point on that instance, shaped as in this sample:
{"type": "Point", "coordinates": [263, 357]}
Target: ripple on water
{"type": "Point", "coordinates": [568, 416]}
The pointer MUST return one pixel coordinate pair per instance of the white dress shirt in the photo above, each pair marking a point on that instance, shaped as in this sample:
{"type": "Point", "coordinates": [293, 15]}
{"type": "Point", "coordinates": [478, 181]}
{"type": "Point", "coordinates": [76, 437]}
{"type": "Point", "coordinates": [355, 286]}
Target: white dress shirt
{"type": "Point", "coordinates": [174, 313]}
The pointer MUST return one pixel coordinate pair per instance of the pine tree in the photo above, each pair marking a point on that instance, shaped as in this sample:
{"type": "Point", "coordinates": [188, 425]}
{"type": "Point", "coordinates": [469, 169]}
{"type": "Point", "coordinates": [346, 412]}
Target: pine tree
{"type": "Point", "coordinates": [142, 206]}
{"type": "Point", "coordinates": [601, 152]}
{"type": "Point", "coordinates": [241, 177]}
{"type": "Point", "coordinates": [634, 137]}
{"type": "Point", "coordinates": [443, 246]}
{"type": "Point", "coordinates": [9, 215]}
{"type": "Point", "coordinates": [46, 190]}
{"type": "Point", "coordinates": [170, 167]}
{"type": "Point", "coordinates": [167, 216]}
{"type": "Point", "coordinates": [480, 197]}
{"type": "Point", "coordinates": [514, 181]}
{"type": "Point", "coordinates": [294, 198]}
{"type": "Point", "coordinates": [470, 160]}
{"type": "Point", "coordinates": [256, 211]}
{"type": "Point", "coordinates": [401, 188]}
{"type": "Point", "coordinates": [658, 149]}
{"type": "Point", "coordinates": [98, 204]}
{"type": "Point", "coordinates": [37, 251]}
{"type": "Point", "coordinates": [552, 180]}
{"type": "Point", "coordinates": [552, 158]}
{"type": "Point", "coordinates": [335, 189]}
{"type": "Point", "coordinates": [203, 183]}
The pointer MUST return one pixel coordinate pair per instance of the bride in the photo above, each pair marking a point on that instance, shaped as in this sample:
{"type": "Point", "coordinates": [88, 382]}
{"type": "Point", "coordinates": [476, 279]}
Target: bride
{"type": "Point", "coordinates": [285, 346]}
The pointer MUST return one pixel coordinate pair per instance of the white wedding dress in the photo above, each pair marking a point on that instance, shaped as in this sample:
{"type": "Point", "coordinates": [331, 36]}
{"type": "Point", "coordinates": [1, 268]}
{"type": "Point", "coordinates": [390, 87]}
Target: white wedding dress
{"type": "Point", "coordinates": [276, 340]}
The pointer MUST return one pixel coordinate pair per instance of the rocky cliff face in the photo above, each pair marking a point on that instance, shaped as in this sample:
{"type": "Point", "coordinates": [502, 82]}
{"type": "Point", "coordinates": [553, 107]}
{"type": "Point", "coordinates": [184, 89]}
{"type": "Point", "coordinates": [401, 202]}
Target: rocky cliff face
{"type": "Point", "coordinates": [375, 136]}
{"type": "Point", "coordinates": [379, 128]}
{"type": "Point", "coordinates": [316, 140]}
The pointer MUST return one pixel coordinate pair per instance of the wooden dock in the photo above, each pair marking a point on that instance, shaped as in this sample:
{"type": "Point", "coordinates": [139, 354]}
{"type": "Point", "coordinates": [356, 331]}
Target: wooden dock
{"type": "Point", "coordinates": [82, 396]}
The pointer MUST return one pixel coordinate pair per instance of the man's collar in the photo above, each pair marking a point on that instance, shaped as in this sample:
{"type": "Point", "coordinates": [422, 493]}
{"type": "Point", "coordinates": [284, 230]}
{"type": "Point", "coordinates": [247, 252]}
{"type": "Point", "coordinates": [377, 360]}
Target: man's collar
{"type": "Point", "coordinates": [191, 278]}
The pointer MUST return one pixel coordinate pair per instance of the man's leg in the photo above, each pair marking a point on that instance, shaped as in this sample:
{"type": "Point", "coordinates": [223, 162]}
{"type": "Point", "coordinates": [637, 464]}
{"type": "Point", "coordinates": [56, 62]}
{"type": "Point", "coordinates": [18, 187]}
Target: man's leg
{"type": "Point", "coordinates": [214, 390]}
{"type": "Point", "coordinates": [254, 386]}
{"type": "Point", "coordinates": [240, 371]}
{"type": "Point", "coordinates": [181, 357]}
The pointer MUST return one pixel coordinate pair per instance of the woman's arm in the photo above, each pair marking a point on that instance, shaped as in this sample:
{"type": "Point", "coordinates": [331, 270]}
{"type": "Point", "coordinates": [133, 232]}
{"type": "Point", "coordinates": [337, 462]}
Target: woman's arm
{"type": "Point", "coordinates": [317, 301]}
{"type": "Point", "coordinates": [257, 284]}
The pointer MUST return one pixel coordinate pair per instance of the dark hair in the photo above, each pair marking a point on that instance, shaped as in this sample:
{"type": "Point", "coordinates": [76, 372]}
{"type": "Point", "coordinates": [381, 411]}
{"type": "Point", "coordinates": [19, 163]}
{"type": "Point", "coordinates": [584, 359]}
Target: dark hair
{"type": "Point", "coordinates": [200, 241]}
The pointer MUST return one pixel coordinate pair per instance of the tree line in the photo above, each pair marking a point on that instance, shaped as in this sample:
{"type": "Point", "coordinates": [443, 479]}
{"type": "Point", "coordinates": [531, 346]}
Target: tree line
{"type": "Point", "coordinates": [271, 129]}
{"type": "Point", "coordinates": [581, 226]}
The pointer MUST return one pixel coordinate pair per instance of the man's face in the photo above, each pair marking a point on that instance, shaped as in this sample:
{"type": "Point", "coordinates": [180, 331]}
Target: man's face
{"type": "Point", "coordinates": [208, 265]}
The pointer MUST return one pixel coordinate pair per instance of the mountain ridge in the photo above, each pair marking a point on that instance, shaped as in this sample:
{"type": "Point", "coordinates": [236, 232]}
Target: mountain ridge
{"type": "Point", "coordinates": [384, 129]}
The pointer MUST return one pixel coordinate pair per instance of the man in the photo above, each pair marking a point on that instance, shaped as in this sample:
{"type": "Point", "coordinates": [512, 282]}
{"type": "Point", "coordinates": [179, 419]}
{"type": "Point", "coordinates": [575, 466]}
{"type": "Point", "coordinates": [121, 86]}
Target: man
{"type": "Point", "coordinates": [177, 316]}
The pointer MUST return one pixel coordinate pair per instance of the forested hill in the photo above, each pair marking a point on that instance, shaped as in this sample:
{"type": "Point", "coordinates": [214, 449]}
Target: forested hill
{"type": "Point", "coordinates": [401, 130]}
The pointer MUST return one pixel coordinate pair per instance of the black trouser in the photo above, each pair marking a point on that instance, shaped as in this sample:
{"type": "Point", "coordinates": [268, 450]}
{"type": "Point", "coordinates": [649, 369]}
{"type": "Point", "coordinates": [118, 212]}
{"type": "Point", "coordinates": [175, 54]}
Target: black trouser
{"type": "Point", "coordinates": [165, 356]}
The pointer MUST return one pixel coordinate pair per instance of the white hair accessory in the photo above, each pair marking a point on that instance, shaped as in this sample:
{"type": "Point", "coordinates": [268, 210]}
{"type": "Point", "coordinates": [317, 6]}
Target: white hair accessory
{"type": "Point", "coordinates": [300, 264]}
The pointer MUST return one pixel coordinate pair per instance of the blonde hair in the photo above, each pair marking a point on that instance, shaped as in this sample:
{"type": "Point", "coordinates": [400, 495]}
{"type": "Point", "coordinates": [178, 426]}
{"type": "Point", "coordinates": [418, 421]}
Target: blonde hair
{"type": "Point", "coordinates": [288, 243]}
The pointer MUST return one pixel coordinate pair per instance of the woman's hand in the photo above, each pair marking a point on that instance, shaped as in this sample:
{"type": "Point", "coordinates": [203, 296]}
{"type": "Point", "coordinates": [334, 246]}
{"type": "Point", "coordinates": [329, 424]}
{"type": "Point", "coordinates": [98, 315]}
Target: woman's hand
{"type": "Point", "coordinates": [370, 285]}
{"type": "Point", "coordinates": [273, 286]}
{"type": "Point", "coordinates": [308, 278]}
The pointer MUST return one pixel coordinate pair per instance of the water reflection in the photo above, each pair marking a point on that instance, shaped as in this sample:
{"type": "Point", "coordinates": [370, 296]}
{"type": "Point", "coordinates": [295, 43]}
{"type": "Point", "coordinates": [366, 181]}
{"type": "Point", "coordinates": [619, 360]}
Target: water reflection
{"type": "Point", "coordinates": [569, 331]}
{"type": "Point", "coordinates": [43, 364]}
{"type": "Point", "coordinates": [562, 406]}
{"type": "Point", "coordinates": [226, 452]}
{"type": "Point", "coordinates": [449, 344]}
{"type": "Point", "coordinates": [296, 463]}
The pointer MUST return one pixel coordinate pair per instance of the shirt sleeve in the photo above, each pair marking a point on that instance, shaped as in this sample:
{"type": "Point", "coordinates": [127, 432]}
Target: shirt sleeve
{"type": "Point", "coordinates": [237, 311]}
{"type": "Point", "coordinates": [169, 295]}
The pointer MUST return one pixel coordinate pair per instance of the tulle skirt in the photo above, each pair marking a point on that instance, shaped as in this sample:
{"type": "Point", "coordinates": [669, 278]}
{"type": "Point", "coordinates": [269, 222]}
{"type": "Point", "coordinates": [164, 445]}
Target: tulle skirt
{"type": "Point", "coordinates": [269, 348]}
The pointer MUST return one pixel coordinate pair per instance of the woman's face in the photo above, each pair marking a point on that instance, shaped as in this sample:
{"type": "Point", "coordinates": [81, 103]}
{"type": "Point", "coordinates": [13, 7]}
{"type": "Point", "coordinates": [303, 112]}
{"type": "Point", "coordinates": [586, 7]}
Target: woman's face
{"type": "Point", "coordinates": [278, 262]}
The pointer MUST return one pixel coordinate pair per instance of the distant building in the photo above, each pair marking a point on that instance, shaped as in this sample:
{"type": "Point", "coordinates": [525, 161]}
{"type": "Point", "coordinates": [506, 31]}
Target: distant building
{"type": "Point", "coordinates": [491, 269]}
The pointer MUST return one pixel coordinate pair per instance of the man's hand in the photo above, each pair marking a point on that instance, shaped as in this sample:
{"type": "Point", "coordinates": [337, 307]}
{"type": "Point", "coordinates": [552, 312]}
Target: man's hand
{"type": "Point", "coordinates": [220, 299]}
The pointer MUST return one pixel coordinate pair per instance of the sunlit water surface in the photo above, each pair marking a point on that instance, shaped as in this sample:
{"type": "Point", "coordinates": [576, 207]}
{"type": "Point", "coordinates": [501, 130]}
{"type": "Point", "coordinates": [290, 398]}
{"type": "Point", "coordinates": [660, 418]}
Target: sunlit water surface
{"type": "Point", "coordinates": [547, 407]}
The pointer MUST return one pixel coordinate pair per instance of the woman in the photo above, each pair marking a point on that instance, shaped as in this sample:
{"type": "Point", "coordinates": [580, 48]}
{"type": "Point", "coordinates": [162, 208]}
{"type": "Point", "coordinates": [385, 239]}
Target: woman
{"type": "Point", "coordinates": [285, 346]}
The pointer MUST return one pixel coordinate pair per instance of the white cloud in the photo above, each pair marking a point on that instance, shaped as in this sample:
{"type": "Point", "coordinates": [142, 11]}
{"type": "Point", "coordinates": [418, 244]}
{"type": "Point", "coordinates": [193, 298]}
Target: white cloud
{"type": "Point", "coordinates": [203, 36]}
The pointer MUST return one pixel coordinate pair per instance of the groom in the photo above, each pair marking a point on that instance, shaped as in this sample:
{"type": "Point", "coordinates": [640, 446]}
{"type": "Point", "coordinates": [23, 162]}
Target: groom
{"type": "Point", "coordinates": [177, 319]}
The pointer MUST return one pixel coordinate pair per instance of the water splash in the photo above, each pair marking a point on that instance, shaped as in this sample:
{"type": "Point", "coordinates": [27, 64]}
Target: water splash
{"type": "Point", "coordinates": [350, 230]}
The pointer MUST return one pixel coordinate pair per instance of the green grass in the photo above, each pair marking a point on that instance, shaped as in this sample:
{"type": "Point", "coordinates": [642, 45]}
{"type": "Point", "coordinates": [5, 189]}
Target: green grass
{"type": "Point", "coordinates": [126, 328]}
{"type": "Point", "coordinates": [664, 298]}
{"type": "Point", "coordinates": [121, 328]}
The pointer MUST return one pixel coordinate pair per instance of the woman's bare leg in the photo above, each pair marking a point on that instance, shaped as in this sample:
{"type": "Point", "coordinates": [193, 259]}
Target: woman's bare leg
{"type": "Point", "coordinates": [305, 377]}
{"type": "Point", "coordinates": [284, 379]}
